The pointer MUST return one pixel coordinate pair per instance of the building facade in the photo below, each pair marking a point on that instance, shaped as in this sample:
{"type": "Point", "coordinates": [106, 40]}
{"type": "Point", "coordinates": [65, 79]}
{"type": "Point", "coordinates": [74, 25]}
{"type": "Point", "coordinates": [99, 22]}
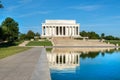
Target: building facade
{"type": "Point", "coordinates": [60, 28]}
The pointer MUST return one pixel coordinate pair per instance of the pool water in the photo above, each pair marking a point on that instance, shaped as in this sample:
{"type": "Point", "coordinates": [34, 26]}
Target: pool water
{"type": "Point", "coordinates": [76, 65]}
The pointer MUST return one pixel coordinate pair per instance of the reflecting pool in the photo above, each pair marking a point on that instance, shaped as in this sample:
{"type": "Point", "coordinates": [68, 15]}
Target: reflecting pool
{"type": "Point", "coordinates": [84, 64]}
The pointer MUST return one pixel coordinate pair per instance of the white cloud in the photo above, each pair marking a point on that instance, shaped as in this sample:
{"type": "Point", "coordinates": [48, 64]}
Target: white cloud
{"type": "Point", "coordinates": [96, 25]}
{"type": "Point", "coordinates": [34, 13]}
{"type": "Point", "coordinates": [11, 8]}
{"type": "Point", "coordinates": [87, 7]}
{"type": "Point", "coordinates": [115, 17]}
{"type": "Point", "coordinates": [20, 4]}
{"type": "Point", "coordinates": [24, 1]}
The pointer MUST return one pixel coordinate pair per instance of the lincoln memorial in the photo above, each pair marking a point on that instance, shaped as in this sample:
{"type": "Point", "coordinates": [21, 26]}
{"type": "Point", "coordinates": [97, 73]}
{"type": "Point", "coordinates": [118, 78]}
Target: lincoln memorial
{"type": "Point", "coordinates": [60, 28]}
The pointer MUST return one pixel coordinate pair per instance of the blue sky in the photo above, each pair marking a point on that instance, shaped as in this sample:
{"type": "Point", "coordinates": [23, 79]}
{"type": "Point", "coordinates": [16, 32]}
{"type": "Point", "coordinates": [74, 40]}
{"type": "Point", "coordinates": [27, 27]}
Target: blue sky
{"type": "Point", "coordinates": [101, 16]}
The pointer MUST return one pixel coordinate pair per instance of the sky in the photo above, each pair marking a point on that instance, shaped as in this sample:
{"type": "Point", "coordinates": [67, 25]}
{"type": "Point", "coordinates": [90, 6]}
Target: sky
{"type": "Point", "coordinates": [101, 16]}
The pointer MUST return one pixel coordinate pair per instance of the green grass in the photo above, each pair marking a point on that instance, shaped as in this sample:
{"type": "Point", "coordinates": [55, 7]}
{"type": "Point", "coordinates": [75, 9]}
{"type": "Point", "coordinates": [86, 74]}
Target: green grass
{"type": "Point", "coordinates": [18, 42]}
{"type": "Point", "coordinates": [8, 51]}
{"type": "Point", "coordinates": [40, 43]}
{"type": "Point", "coordinates": [9, 44]}
{"type": "Point", "coordinates": [48, 49]}
{"type": "Point", "coordinates": [114, 42]}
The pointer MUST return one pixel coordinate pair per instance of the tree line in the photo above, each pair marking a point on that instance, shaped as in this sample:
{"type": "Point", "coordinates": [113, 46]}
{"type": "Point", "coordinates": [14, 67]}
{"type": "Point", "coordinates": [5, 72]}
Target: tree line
{"type": "Point", "coordinates": [29, 35]}
{"type": "Point", "coordinates": [94, 35]}
{"type": "Point", "coordinates": [9, 31]}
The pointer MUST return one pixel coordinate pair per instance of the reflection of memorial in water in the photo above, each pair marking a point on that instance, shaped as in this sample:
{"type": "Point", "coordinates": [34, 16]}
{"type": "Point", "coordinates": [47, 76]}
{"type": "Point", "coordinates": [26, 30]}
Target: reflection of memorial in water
{"type": "Point", "coordinates": [63, 60]}
{"type": "Point", "coordinates": [69, 59]}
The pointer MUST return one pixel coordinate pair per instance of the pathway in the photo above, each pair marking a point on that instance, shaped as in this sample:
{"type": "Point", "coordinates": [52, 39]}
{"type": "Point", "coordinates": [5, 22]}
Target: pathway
{"type": "Point", "coordinates": [24, 43]}
{"type": "Point", "coordinates": [23, 65]}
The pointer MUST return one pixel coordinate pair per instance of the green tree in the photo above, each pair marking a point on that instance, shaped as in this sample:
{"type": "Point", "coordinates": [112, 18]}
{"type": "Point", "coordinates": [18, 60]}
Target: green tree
{"type": "Point", "coordinates": [1, 6]}
{"type": "Point", "coordinates": [84, 34]}
{"type": "Point", "coordinates": [37, 34]}
{"type": "Point", "coordinates": [102, 36]}
{"type": "Point", "coordinates": [30, 34]}
{"type": "Point", "coordinates": [1, 34]}
{"type": "Point", "coordinates": [110, 37]}
{"type": "Point", "coordinates": [10, 29]}
{"type": "Point", "coordinates": [22, 36]}
{"type": "Point", "coordinates": [91, 35]}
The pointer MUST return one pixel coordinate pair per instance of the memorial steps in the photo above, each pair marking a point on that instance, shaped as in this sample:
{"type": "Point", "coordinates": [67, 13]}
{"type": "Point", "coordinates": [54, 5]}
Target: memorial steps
{"type": "Point", "coordinates": [74, 42]}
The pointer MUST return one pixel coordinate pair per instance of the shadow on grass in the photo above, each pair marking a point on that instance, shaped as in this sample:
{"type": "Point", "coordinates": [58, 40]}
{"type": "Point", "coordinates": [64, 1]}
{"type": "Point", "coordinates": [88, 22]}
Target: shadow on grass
{"type": "Point", "coordinates": [49, 49]}
{"type": "Point", "coordinates": [7, 44]}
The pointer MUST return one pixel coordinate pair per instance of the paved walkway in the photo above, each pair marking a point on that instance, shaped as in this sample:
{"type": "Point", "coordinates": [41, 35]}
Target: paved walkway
{"type": "Point", "coordinates": [24, 43]}
{"type": "Point", "coordinates": [42, 69]}
{"type": "Point", "coordinates": [23, 65]}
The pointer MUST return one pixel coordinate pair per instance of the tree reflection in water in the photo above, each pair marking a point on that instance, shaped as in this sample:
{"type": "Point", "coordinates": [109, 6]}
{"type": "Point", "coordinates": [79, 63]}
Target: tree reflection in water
{"type": "Point", "coordinates": [95, 54]}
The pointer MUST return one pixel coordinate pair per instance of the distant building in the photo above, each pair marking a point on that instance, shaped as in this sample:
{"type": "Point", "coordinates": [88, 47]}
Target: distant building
{"type": "Point", "coordinates": [60, 28]}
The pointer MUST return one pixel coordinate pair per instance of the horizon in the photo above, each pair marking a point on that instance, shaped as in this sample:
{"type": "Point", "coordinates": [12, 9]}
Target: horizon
{"type": "Point", "coordinates": [92, 15]}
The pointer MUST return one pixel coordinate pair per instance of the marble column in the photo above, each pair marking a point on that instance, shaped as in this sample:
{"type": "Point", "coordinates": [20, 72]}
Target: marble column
{"type": "Point", "coordinates": [42, 30]}
{"type": "Point", "coordinates": [78, 59]}
{"type": "Point", "coordinates": [51, 30]}
{"type": "Point", "coordinates": [48, 30]}
{"type": "Point", "coordinates": [72, 30]}
{"type": "Point", "coordinates": [66, 30]}
{"type": "Point", "coordinates": [72, 58]}
{"type": "Point", "coordinates": [58, 58]}
{"type": "Point", "coordinates": [58, 30]}
{"type": "Point", "coordinates": [75, 30]}
{"type": "Point", "coordinates": [62, 59]}
{"type": "Point", "coordinates": [69, 30]}
{"type": "Point", "coordinates": [62, 30]}
{"type": "Point", "coordinates": [78, 30]}
{"type": "Point", "coordinates": [75, 59]}
{"type": "Point", "coordinates": [66, 59]}
{"type": "Point", "coordinates": [54, 30]}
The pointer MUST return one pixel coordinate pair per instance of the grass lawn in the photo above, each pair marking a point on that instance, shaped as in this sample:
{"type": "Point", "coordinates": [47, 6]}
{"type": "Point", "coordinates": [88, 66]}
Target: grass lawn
{"type": "Point", "coordinates": [48, 49]}
{"type": "Point", "coordinates": [114, 42]}
{"type": "Point", "coordinates": [40, 43]}
{"type": "Point", "coordinates": [8, 51]}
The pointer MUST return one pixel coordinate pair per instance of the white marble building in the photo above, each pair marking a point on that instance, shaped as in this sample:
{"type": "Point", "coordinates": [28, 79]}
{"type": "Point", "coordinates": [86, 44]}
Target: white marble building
{"type": "Point", "coordinates": [60, 28]}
